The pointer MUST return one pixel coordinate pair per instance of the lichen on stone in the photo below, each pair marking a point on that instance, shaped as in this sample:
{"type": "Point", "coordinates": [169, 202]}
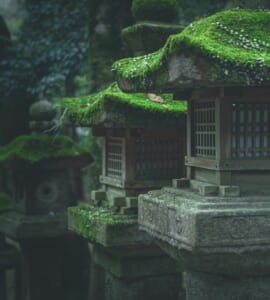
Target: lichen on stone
{"type": "Point", "coordinates": [124, 109]}
{"type": "Point", "coordinates": [35, 148]}
{"type": "Point", "coordinates": [235, 44]}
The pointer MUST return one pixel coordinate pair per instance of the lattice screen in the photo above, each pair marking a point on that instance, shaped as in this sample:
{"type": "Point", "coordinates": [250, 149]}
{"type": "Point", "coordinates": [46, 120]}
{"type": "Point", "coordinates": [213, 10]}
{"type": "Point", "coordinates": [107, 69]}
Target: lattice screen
{"type": "Point", "coordinates": [114, 157]}
{"type": "Point", "coordinates": [157, 158]}
{"type": "Point", "coordinates": [204, 143]}
{"type": "Point", "coordinates": [250, 130]}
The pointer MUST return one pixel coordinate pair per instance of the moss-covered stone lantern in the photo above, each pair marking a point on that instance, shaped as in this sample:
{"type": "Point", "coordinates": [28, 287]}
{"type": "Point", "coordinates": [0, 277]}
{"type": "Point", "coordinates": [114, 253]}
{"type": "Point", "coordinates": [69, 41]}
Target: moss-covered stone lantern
{"type": "Point", "coordinates": [43, 187]}
{"type": "Point", "coordinates": [140, 134]}
{"type": "Point", "coordinates": [42, 165]}
{"type": "Point", "coordinates": [215, 221]}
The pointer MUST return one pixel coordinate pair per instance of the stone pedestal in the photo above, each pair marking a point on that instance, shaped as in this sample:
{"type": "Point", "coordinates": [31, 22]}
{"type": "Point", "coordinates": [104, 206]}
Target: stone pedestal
{"type": "Point", "coordinates": [55, 269]}
{"type": "Point", "coordinates": [139, 274]}
{"type": "Point", "coordinates": [221, 242]}
{"type": "Point", "coordinates": [125, 263]}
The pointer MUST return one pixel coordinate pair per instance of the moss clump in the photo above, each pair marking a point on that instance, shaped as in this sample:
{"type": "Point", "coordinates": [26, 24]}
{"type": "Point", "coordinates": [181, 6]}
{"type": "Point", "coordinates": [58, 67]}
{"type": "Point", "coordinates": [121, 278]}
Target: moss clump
{"type": "Point", "coordinates": [235, 43]}
{"type": "Point", "coordinates": [155, 10]}
{"type": "Point", "coordinates": [88, 219]}
{"type": "Point", "coordinates": [5, 202]}
{"type": "Point", "coordinates": [34, 148]}
{"type": "Point", "coordinates": [122, 108]}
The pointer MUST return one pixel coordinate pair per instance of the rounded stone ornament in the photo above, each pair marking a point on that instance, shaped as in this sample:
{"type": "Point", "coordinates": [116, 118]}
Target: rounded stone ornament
{"type": "Point", "coordinates": [42, 111]}
{"type": "Point", "coordinates": [155, 10]}
{"type": "Point", "coordinates": [42, 116]}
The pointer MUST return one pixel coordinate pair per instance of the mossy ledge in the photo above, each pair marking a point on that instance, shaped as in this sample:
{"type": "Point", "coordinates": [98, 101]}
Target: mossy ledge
{"type": "Point", "coordinates": [113, 107]}
{"type": "Point", "coordinates": [35, 148]}
{"type": "Point", "coordinates": [229, 48]}
{"type": "Point", "coordinates": [88, 220]}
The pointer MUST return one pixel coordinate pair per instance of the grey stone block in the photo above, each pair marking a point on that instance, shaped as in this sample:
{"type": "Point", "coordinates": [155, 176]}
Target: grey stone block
{"type": "Point", "coordinates": [229, 191]}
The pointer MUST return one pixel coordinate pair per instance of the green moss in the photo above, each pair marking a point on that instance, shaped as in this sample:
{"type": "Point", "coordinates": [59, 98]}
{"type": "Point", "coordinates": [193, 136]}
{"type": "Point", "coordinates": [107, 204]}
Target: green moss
{"type": "Point", "coordinates": [5, 202]}
{"type": "Point", "coordinates": [155, 10]}
{"type": "Point", "coordinates": [88, 219]}
{"type": "Point", "coordinates": [235, 43]}
{"type": "Point", "coordinates": [34, 148]}
{"type": "Point", "coordinates": [112, 105]}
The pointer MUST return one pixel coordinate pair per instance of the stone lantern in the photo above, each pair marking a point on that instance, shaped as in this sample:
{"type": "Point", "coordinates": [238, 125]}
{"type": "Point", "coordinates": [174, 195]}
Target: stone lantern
{"type": "Point", "coordinates": [43, 187]}
{"type": "Point", "coordinates": [215, 221]}
{"type": "Point", "coordinates": [42, 165]}
{"type": "Point", "coordinates": [140, 133]}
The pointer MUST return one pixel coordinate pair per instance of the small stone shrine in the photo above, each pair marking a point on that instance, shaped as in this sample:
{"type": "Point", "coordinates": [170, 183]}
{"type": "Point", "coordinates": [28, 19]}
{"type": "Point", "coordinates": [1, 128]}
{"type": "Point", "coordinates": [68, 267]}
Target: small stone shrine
{"type": "Point", "coordinates": [42, 185]}
{"type": "Point", "coordinates": [215, 221]}
{"type": "Point", "coordinates": [140, 134]}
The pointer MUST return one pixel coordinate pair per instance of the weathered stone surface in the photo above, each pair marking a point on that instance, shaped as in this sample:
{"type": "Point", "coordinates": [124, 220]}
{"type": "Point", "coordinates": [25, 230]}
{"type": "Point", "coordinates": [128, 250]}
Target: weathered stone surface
{"type": "Point", "coordinates": [20, 226]}
{"type": "Point", "coordinates": [158, 288]}
{"type": "Point", "coordinates": [138, 273]}
{"type": "Point", "coordinates": [110, 231]}
{"type": "Point", "coordinates": [204, 189]}
{"type": "Point", "coordinates": [210, 233]}
{"type": "Point", "coordinates": [229, 191]}
{"type": "Point", "coordinates": [203, 286]}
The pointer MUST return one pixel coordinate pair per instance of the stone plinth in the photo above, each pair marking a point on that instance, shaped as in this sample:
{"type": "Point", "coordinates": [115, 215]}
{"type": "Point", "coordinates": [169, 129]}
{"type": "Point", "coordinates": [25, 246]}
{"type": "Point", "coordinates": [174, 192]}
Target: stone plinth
{"type": "Point", "coordinates": [132, 266]}
{"type": "Point", "coordinates": [227, 237]}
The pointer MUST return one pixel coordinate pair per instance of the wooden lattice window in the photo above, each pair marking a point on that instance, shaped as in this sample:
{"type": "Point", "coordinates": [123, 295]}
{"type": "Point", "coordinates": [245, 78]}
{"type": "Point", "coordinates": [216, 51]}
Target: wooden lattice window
{"type": "Point", "coordinates": [204, 142]}
{"type": "Point", "coordinates": [114, 157]}
{"type": "Point", "coordinates": [157, 159]}
{"type": "Point", "coordinates": [250, 127]}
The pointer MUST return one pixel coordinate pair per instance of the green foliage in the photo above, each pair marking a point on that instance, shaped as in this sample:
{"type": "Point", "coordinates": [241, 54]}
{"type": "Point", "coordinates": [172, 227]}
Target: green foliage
{"type": "Point", "coordinates": [88, 111]}
{"type": "Point", "coordinates": [51, 47]}
{"type": "Point", "coordinates": [34, 148]}
{"type": "Point", "coordinates": [155, 10]}
{"type": "Point", "coordinates": [236, 44]}
{"type": "Point", "coordinates": [88, 219]}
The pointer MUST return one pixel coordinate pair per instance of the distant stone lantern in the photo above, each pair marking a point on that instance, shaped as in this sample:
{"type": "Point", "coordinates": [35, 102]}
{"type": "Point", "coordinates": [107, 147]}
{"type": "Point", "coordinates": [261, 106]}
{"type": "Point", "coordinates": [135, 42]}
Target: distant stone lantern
{"type": "Point", "coordinates": [43, 165]}
{"type": "Point", "coordinates": [43, 187]}
{"type": "Point", "coordinates": [215, 221]}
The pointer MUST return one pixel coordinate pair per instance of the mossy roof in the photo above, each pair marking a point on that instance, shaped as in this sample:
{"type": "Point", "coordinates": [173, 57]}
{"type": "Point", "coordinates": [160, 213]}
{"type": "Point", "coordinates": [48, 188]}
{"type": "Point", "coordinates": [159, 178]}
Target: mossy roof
{"type": "Point", "coordinates": [114, 108]}
{"type": "Point", "coordinates": [231, 47]}
{"type": "Point", "coordinates": [35, 148]}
